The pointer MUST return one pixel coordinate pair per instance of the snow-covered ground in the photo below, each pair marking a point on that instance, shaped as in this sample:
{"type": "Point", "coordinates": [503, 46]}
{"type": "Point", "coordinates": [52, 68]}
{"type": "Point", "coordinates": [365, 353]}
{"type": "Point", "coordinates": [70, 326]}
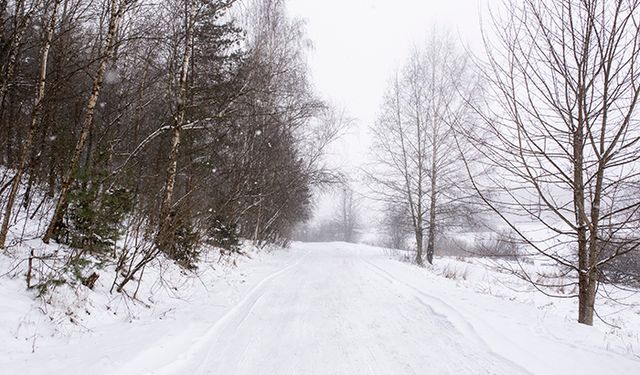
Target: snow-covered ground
{"type": "Point", "coordinates": [331, 308]}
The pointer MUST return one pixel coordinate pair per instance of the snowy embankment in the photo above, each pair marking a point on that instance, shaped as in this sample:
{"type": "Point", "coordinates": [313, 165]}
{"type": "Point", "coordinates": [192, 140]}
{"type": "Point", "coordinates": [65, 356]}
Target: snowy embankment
{"type": "Point", "coordinates": [519, 322]}
{"type": "Point", "coordinates": [76, 330]}
{"type": "Point", "coordinates": [316, 309]}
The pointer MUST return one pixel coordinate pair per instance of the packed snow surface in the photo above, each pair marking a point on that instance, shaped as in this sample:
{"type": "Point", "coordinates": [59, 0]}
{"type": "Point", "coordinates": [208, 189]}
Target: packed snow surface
{"type": "Point", "coordinates": [336, 308]}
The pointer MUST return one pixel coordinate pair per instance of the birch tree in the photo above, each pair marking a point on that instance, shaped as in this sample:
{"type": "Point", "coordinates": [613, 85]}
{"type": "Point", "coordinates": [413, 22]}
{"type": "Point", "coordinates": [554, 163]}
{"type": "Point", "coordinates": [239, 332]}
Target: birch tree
{"type": "Point", "coordinates": [36, 116]}
{"type": "Point", "coordinates": [19, 22]}
{"type": "Point", "coordinates": [348, 215]}
{"type": "Point", "coordinates": [117, 9]}
{"type": "Point", "coordinates": [420, 168]}
{"type": "Point", "coordinates": [165, 226]}
{"type": "Point", "coordinates": [564, 133]}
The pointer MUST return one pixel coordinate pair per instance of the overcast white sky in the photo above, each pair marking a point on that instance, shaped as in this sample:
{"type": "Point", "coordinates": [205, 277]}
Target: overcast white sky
{"type": "Point", "coordinates": [358, 44]}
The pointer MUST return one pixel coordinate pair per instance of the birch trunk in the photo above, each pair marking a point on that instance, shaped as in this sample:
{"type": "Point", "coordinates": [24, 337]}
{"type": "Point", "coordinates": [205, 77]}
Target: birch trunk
{"type": "Point", "coordinates": [35, 121]}
{"type": "Point", "coordinates": [114, 22]}
{"type": "Point", "coordinates": [164, 237]}
{"type": "Point", "coordinates": [22, 21]}
{"type": "Point", "coordinates": [432, 208]}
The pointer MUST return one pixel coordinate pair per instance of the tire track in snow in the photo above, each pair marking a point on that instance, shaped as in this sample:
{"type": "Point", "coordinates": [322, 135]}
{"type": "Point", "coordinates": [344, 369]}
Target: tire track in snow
{"type": "Point", "coordinates": [240, 310]}
{"type": "Point", "coordinates": [438, 307]}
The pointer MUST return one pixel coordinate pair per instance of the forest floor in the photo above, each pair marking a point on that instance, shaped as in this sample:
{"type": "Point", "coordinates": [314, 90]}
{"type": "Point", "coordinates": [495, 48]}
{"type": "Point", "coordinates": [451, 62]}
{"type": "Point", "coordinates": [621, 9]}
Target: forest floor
{"type": "Point", "coordinates": [329, 308]}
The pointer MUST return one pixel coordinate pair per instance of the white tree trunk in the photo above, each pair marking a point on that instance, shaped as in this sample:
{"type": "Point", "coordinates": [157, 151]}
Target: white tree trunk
{"type": "Point", "coordinates": [114, 22]}
{"type": "Point", "coordinates": [164, 238]}
{"type": "Point", "coordinates": [35, 121]}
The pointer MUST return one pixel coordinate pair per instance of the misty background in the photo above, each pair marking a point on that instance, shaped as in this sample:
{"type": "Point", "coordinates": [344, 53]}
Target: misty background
{"type": "Point", "coordinates": [355, 48]}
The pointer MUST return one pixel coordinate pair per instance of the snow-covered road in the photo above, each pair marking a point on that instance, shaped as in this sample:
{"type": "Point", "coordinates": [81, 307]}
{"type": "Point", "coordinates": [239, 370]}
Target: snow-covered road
{"type": "Point", "coordinates": [337, 308]}
{"type": "Point", "coordinates": [336, 312]}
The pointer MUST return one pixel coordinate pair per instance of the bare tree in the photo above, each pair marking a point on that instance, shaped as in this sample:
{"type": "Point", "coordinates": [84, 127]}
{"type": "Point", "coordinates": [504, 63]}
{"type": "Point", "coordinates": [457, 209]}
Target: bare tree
{"type": "Point", "coordinates": [402, 157]}
{"type": "Point", "coordinates": [35, 121]}
{"type": "Point", "coordinates": [348, 215]}
{"type": "Point", "coordinates": [420, 166]}
{"type": "Point", "coordinates": [165, 221]}
{"type": "Point", "coordinates": [564, 133]}
{"type": "Point", "coordinates": [19, 23]}
{"type": "Point", "coordinates": [117, 9]}
{"type": "Point", "coordinates": [397, 229]}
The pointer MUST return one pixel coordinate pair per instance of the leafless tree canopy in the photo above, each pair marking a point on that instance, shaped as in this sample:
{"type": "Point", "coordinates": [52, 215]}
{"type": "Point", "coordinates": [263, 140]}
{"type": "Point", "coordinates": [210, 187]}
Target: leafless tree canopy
{"type": "Point", "coordinates": [563, 130]}
{"type": "Point", "coordinates": [418, 168]}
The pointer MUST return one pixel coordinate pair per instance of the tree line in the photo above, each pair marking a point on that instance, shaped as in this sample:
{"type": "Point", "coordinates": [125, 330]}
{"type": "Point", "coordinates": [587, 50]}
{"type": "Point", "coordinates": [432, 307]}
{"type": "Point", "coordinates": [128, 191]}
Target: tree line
{"type": "Point", "coordinates": [165, 124]}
